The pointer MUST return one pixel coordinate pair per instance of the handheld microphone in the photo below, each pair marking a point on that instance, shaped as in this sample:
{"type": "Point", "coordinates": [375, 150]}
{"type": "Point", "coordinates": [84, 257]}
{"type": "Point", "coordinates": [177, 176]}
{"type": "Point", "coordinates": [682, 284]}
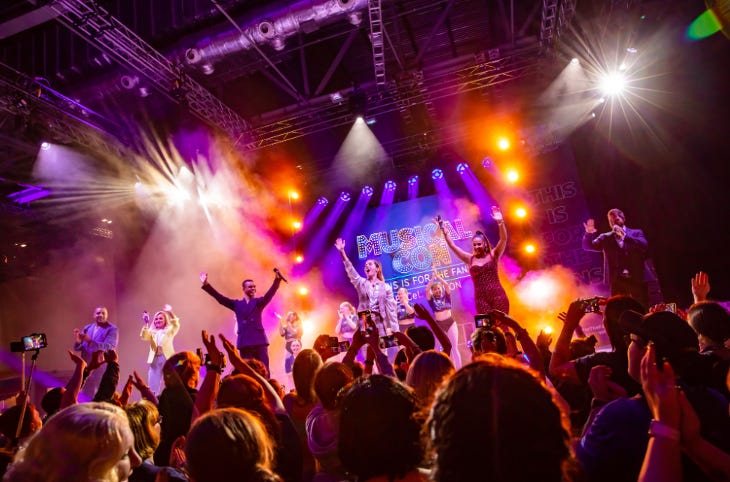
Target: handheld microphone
{"type": "Point", "coordinates": [278, 273]}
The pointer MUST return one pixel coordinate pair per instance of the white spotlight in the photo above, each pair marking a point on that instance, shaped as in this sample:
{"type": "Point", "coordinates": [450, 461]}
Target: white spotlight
{"type": "Point", "coordinates": [45, 145]}
{"type": "Point", "coordinates": [574, 61]}
{"type": "Point", "coordinates": [613, 84]}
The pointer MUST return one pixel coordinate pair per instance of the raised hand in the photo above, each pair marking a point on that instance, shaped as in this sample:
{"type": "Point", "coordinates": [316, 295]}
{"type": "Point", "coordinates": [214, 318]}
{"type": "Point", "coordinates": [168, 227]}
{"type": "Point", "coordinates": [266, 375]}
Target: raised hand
{"type": "Point", "coordinates": [544, 340]}
{"type": "Point", "coordinates": [340, 244]}
{"type": "Point", "coordinates": [97, 359]}
{"type": "Point", "coordinates": [599, 380]}
{"type": "Point", "coordinates": [76, 359]}
{"type": "Point", "coordinates": [210, 347]}
{"type": "Point", "coordinates": [111, 356]}
{"type": "Point", "coordinates": [590, 226]}
{"type": "Point", "coordinates": [576, 312]}
{"type": "Point", "coordinates": [700, 286]}
{"type": "Point", "coordinates": [660, 391]}
{"type": "Point", "coordinates": [497, 214]}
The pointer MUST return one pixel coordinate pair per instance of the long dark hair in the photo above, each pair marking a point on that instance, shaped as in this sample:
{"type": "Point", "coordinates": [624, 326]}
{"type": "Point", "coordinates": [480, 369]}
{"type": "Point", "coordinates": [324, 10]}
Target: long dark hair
{"type": "Point", "coordinates": [480, 234]}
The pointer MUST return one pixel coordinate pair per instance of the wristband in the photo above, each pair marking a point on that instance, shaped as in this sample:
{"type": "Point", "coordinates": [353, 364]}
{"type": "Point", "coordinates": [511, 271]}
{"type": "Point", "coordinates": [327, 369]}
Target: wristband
{"type": "Point", "coordinates": [658, 429]}
{"type": "Point", "coordinates": [215, 368]}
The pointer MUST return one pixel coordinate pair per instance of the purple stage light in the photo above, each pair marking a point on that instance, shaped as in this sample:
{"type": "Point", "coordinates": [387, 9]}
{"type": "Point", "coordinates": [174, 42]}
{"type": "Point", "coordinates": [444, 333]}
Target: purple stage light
{"type": "Point", "coordinates": [437, 174]}
{"type": "Point", "coordinates": [368, 191]}
{"type": "Point", "coordinates": [344, 196]}
{"type": "Point", "coordinates": [462, 167]}
{"type": "Point", "coordinates": [487, 162]}
{"type": "Point", "coordinates": [322, 201]}
{"type": "Point", "coordinates": [45, 145]}
{"type": "Point", "coordinates": [390, 185]}
{"type": "Point", "coordinates": [412, 180]}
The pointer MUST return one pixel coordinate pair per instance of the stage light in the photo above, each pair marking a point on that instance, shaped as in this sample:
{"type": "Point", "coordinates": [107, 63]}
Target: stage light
{"type": "Point", "coordinates": [437, 174]}
{"type": "Point", "coordinates": [503, 143]}
{"type": "Point", "coordinates": [106, 221]}
{"type": "Point", "coordinates": [45, 145]}
{"type": "Point", "coordinates": [296, 225]}
{"type": "Point", "coordinates": [336, 98]}
{"type": "Point", "coordinates": [521, 212]}
{"type": "Point", "coordinates": [322, 201]}
{"type": "Point", "coordinates": [486, 162]}
{"type": "Point", "coordinates": [20, 245]}
{"type": "Point", "coordinates": [298, 258]}
{"type": "Point", "coordinates": [512, 176]}
{"type": "Point", "coordinates": [370, 121]}
{"type": "Point", "coordinates": [631, 50]}
{"type": "Point", "coordinates": [390, 185]}
{"type": "Point", "coordinates": [208, 69]}
{"type": "Point", "coordinates": [303, 291]}
{"type": "Point", "coordinates": [530, 248]}
{"type": "Point", "coordinates": [462, 167]}
{"type": "Point", "coordinates": [593, 115]}
{"type": "Point", "coordinates": [601, 100]}
{"type": "Point", "coordinates": [613, 84]}
{"type": "Point", "coordinates": [548, 330]}
{"type": "Point", "coordinates": [359, 119]}
{"type": "Point", "coordinates": [345, 196]}
{"type": "Point", "coordinates": [368, 191]}
{"type": "Point", "coordinates": [574, 61]}
{"type": "Point", "coordinates": [412, 180]}
{"type": "Point", "coordinates": [293, 195]}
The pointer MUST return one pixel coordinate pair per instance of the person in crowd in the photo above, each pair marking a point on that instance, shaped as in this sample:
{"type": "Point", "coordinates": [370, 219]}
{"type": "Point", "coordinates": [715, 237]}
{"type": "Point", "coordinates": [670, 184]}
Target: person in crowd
{"type": "Point", "coordinates": [229, 443]}
{"type": "Point", "coordinates": [252, 341]}
{"type": "Point", "coordinates": [565, 370]}
{"type": "Point", "coordinates": [497, 419]}
{"type": "Point", "coordinates": [625, 256]}
{"type": "Point", "coordinates": [438, 295]}
{"type": "Point", "coordinates": [99, 336]}
{"type": "Point", "coordinates": [87, 441]}
{"type": "Point", "coordinates": [374, 294]}
{"type": "Point", "coordinates": [347, 321]}
{"type": "Point", "coordinates": [181, 374]}
{"type": "Point", "coordinates": [159, 334]}
{"type": "Point", "coordinates": [483, 264]}
{"type": "Point", "coordinates": [244, 392]}
{"type": "Point", "coordinates": [323, 421]}
{"type": "Point", "coordinates": [425, 374]}
{"type": "Point", "coordinates": [711, 322]}
{"type": "Point", "coordinates": [621, 429]}
{"type": "Point", "coordinates": [382, 444]}
{"type": "Point", "coordinates": [406, 312]}
{"type": "Point", "coordinates": [301, 401]}
{"type": "Point", "coordinates": [144, 420]}
{"type": "Point", "coordinates": [12, 438]}
{"type": "Point", "coordinates": [291, 330]}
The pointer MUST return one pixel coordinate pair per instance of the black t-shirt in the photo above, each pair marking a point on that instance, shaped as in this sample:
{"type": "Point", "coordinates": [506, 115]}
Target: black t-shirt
{"type": "Point", "coordinates": [617, 361]}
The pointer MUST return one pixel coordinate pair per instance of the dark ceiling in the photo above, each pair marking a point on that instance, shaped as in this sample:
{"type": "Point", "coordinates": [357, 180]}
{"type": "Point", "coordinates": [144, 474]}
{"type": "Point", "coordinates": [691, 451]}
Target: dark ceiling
{"type": "Point", "coordinates": [77, 71]}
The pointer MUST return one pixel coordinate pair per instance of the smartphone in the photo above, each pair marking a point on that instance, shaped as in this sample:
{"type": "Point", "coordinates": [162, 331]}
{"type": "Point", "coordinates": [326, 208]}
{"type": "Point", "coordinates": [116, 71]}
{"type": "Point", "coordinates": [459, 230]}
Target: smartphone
{"type": "Point", "coordinates": [337, 346]}
{"type": "Point", "coordinates": [388, 341]}
{"type": "Point", "coordinates": [483, 320]}
{"type": "Point", "coordinates": [366, 321]}
{"type": "Point", "coordinates": [36, 341]}
{"type": "Point", "coordinates": [592, 305]}
{"type": "Point", "coordinates": [671, 307]}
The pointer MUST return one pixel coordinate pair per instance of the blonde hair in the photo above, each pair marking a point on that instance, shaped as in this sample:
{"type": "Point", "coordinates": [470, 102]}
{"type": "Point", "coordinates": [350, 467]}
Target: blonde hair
{"type": "Point", "coordinates": [82, 442]}
{"type": "Point", "coordinates": [426, 373]}
{"type": "Point", "coordinates": [143, 416]}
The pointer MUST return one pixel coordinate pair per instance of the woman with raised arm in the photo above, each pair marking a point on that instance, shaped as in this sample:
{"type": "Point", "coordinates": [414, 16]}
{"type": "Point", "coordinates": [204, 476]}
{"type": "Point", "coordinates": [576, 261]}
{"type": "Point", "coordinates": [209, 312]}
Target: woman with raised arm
{"type": "Point", "coordinates": [374, 294]}
{"type": "Point", "coordinates": [159, 334]}
{"type": "Point", "coordinates": [482, 261]}
{"type": "Point", "coordinates": [438, 295]}
{"type": "Point", "coordinates": [406, 313]}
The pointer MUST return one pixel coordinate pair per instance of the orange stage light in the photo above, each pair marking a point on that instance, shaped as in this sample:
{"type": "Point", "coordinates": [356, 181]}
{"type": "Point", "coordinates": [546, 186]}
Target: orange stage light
{"type": "Point", "coordinates": [299, 258]}
{"type": "Point", "coordinates": [293, 195]}
{"type": "Point", "coordinates": [297, 224]}
{"type": "Point", "coordinates": [303, 291]}
{"type": "Point", "coordinates": [521, 212]}
{"type": "Point", "coordinates": [530, 248]}
{"type": "Point", "coordinates": [503, 143]}
{"type": "Point", "coordinates": [512, 175]}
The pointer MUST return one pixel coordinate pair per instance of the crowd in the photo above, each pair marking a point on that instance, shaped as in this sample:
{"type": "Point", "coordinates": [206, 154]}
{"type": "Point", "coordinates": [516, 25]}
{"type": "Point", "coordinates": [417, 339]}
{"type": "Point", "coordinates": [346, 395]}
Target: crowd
{"type": "Point", "coordinates": [655, 408]}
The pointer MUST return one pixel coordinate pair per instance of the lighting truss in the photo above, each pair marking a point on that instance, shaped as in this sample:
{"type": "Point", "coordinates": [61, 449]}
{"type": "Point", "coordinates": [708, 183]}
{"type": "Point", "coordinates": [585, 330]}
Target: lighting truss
{"type": "Point", "coordinates": [447, 83]}
{"type": "Point", "coordinates": [98, 27]}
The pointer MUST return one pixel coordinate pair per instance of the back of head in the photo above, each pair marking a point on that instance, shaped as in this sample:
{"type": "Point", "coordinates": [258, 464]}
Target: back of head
{"type": "Point", "coordinates": [495, 418]}
{"type": "Point", "coordinates": [615, 306]}
{"type": "Point", "coordinates": [305, 366]}
{"type": "Point", "coordinates": [426, 373]}
{"type": "Point", "coordinates": [422, 336]}
{"type": "Point", "coordinates": [488, 340]}
{"type": "Point", "coordinates": [143, 417]}
{"type": "Point", "coordinates": [10, 418]}
{"type": "Point", "coordinates": [227, 442]}
{"type": "Point", "coordinates": [580, 347]}
{"type": "Point", "coordinates": [186, 364]}
{"type": "Point", "coordinates": [710, 320]}
{"type": "Point", "coordinates": [82, 442]}
{"type": "Point", "coordinates": [244, 392]}
{"type": "Point", "coordinates": [51, 401]}
{"type": "Point", "coordinates": [379, 430]}
{"type": "Point", "coordinates": [329, 380]}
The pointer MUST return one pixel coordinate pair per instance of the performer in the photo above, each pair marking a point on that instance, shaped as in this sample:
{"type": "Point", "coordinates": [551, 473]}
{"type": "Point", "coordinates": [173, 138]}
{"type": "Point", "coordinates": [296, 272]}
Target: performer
{"type": "Point", "coordinates": [252, 341]}
{"type": "Point", "coordinates": [625, 256]}
{"type": "Point", "coordinates": [347, 323]}
{"type": "Point", "coordinates": [374, 294]}
{"type": "Point", "coordinates": [159, 334]}
{"type": "Point", "coordinates": [483, 265]}
{"type": "Point", "coordinates": [99, 336]}
{"type": "Point", "coordinates": [406, 313]}
{"type": "Point", "coordinates": [438, 295]}
{"type": "Point", "coordinates": [291, 330]}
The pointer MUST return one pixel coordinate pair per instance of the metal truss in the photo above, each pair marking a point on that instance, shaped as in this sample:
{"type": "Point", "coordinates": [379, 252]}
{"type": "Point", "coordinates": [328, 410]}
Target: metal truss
{"type": "Point", "coordinates": [547, 23]}
{"type": "Point", "coordinates": [439, 85]}
{"type": "Point", "coordinates": [61, 118]}
{"type": "Point", "coordinates": [98, 27]}
{"type": "Point", "coordinates": [565, 15]}
{"type": "Point", "coordinates": [376, 39]}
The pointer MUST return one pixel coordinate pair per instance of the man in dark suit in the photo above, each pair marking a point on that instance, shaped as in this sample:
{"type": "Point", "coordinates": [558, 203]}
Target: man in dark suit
{"type": "Point", "coordinates": [625, 255]}
{"type": "Point", "coordinates": [252, 341]}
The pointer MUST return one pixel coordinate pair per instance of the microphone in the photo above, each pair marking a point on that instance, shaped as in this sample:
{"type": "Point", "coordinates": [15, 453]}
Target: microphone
{"type": "Point", "coordinates": [278, 273]}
